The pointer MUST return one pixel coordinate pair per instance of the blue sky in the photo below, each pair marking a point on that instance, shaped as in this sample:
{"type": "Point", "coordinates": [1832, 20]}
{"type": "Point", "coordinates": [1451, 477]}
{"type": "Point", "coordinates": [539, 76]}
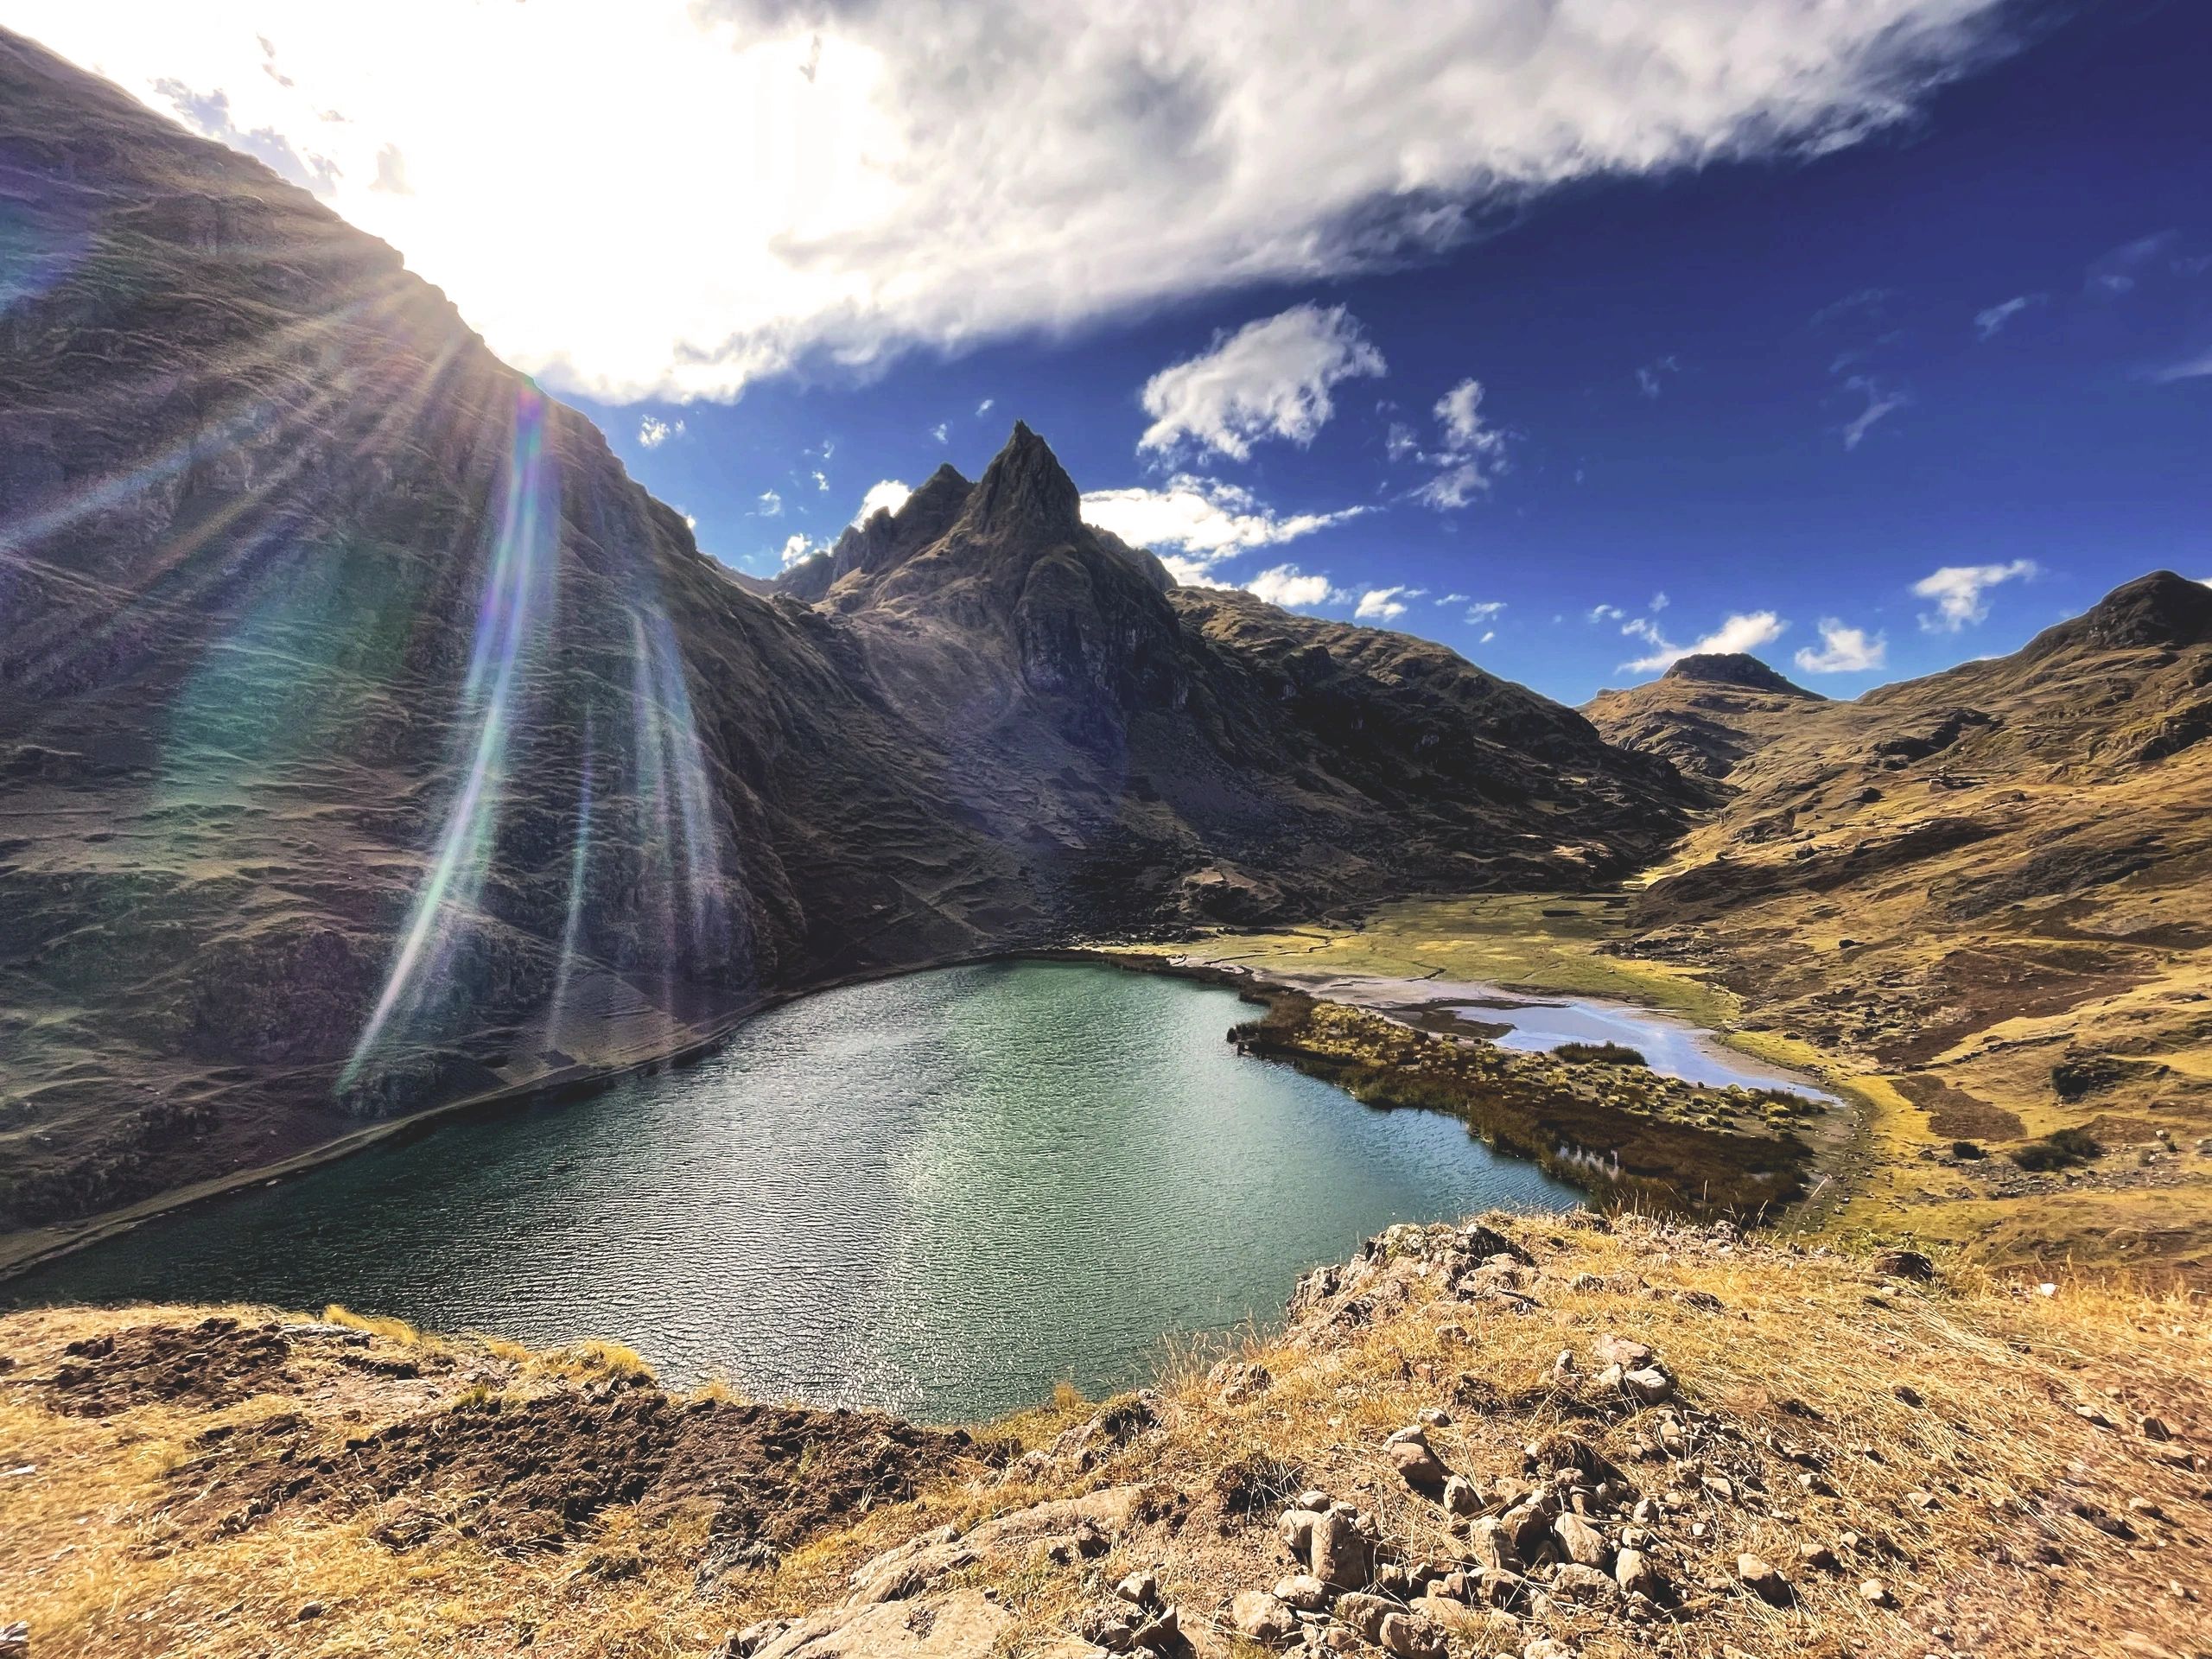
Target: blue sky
{"type": "Point", "coordinates": [1921, 363]}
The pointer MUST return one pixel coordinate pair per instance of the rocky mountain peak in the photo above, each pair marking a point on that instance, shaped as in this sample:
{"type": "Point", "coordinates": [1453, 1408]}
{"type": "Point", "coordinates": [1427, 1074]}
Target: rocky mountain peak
{"type": "Point", "coordinates": [1737, 669]}
{"type": "Point", "coordinates": [1025, 491]}
{"type": "Point", "coordinates": [2161, 610]}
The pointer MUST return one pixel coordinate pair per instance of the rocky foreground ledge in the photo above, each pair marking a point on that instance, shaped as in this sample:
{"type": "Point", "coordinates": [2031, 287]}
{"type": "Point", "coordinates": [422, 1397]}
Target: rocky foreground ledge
{"type": "Point", "coordinates": [1524, 1437]}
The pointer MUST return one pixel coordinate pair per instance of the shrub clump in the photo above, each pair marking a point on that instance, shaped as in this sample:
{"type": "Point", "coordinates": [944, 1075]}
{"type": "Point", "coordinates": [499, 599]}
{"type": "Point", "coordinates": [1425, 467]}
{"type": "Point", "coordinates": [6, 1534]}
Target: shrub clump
{"type": "Point", "coordinates": [1601, 1053]}
{"type": "Point", "coordinates": [2060, 1149]}
{"type": "Point", "coordinates": [1968, 1150]}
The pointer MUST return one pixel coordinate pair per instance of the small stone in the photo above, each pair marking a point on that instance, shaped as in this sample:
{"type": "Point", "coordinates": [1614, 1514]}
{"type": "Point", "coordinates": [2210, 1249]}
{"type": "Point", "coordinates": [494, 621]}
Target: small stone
{"type": "Point", "coordinates": [1544, 1648]}
{"type": "Point", "coordinates": [1635, 1572]}
{"type": "Point", "coordinates": [1434, 1417]}
{"type": "Point", "coordinates": [1417, 1465]}
{"type": "Point", "coordinates": [308, 1610]}
{"type": "Point", "coordinates": [1584, 1544]}
{"type": "Point", "coordinates": [1875, 1594]}
{"type": "Point", "coordinates": [1571, 1581]}
{"type": "Point", "coordinates": [1625, 1352]}
{"type": "Point", "coordinates": [1262, 1617]}
{"type": "Point", "coordinates": [1648, 1384]}
{"type": "Point", "coordinates": [1304, 1592]}
{"type": "Point", "coordinates": [1489, 1543]}
{"type": "Point", "coordinates": [1139, 1589]}
{"type": "Point", "coordinates": [1363, 1613]}
{"type": "Point", "coordinates": [1315, 1500]}
{"type": "Point", "coordinates": [2153, 1429]}
{"type": "Point", "coordinates": [1904, 1264]}
{"type": "Point", "coordinates": [1817, 1556]}
{"type": "Point", "coordinates": [1922, 1500]}
{"type": "Point", "coordinates": [1410, 1636]}
{"type": "Point", "coordinates": [1909, 1395]}
{"type": "Point", "coordinates": [1341, 1553]}
{"type": "Point", "coordinates": [1160, 1634]}
{"type": "Point", "coordinates": [1761, 1579]}
{"type": "Point", "coordinates": [1460, 1497]}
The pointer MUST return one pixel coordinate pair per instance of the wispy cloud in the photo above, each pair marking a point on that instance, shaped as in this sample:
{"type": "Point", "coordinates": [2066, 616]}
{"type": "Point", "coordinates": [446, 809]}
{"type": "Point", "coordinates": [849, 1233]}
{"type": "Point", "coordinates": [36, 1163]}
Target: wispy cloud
{"type": "Point", "coordinates": [1269, 380]}
{"type": "Point", "coordinates": [1842, 650]}
{"type": "Point", "coordinates": [772, 505]}
{"type": "Point", "coordinates": [1650, 378]}
{"type": "Point", "coordinates": [2187, 368]}
{"type": "Point", "coordinates": [1988, 324]}
{"type": "Point", "coordinates": [1958, 591]}
{"type": "Point", "coordinates": [1471, 454]}
{"type": "Point", "coordinates": [1881, 402]}
{"type": "Point", "coordinates": [939, 201]}
{"type": "Point", "coordinates": [652, 431]}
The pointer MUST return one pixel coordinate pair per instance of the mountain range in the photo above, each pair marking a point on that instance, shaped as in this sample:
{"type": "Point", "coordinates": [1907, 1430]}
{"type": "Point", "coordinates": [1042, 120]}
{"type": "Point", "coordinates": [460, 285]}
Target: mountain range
{"type": "Point", "coordinates": [369, 741]}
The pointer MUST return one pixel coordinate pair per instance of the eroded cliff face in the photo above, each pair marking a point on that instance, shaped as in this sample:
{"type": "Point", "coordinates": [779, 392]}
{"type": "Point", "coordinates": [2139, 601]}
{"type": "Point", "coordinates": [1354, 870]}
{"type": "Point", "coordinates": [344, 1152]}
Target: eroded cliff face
{"type": "Point", "coordinates": [369, 740]}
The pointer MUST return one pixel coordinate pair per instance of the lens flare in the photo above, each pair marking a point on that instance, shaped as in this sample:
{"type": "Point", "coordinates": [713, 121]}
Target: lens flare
{"type": "Point", "coordinates": [511, 620]}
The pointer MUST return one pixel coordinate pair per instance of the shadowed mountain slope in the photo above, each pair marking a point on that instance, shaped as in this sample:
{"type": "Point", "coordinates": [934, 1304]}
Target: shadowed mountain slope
{"type": "Point", "coordinates": [369, 741]}
{"type": "Point", "coordinates": [1705, 714]}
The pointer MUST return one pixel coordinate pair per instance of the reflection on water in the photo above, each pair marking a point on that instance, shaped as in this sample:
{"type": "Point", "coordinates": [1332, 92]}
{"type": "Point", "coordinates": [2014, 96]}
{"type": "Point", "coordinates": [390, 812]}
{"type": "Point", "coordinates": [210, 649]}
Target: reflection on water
{"type": "Point", "coordinates": [937, 1194]}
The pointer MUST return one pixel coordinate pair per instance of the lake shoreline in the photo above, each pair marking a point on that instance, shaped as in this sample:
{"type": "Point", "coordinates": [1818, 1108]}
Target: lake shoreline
{"type": "Point", "coordinates": [25, 1251]}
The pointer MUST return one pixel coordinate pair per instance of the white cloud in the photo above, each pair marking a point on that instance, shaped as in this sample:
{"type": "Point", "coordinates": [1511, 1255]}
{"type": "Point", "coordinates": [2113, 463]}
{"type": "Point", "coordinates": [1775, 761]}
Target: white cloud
{"type": "Point", "coordinates": [1205, 519]}
{"type": "Point", "coordinates": [939, 431]}
{"type": "Point", "coordinates": [1401, 441]}
{"type": "Point", "coordinates": [1383, 604]}
{"type": "Point", "coordinates": [1742, 631]}
{"type": "Point", "coordinates": [888, 496]}
{"type": "Point", "coordinates": [1606, 614]}
{"type": "Point", "coordinates": [1988, 324]}
{"type": "Point", "coordinates": [772, 505]}
{"type": "Point", "coordinates": [1957, 590]}
{"type": "Point", "coordinates": [821, 480]}
{"type": "Point", "coordinates": [704, 212]}
{"type": "Point", "coordinates": [1483, 610]}
{"type": "Point", "coordinates": [1288, 586]}
{"type": "Point", "coordinates": [1473, 452]}
{"type": "Point", "coordinates": [984, 408]}
{"type": "Point", "coordinates": [1880, 403]}
{"type": "Point", "coordinates": [1270, 378]}
{"type": "Point", "coordinates": [1659, 602]}
{"type": "Point", "coordinates": [1843, 650]}
{"type": "Point", "coordinates": [1454, 599]}
{"type": "Point", "coordinates": [1488, 636]}
{"type": "Point", "coordinates": [797, 547]}
{"type": "Point", "coordinates": [652, 431]}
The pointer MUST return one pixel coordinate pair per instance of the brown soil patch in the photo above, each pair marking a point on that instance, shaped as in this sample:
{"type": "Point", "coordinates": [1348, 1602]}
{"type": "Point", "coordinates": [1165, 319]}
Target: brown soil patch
{"type": "Point", "coordinates": [215, 1362]}
{"type": "Point", "coordinates": [1952, 1111]}
{"type": "Point", "coordinates": [521, 1474]}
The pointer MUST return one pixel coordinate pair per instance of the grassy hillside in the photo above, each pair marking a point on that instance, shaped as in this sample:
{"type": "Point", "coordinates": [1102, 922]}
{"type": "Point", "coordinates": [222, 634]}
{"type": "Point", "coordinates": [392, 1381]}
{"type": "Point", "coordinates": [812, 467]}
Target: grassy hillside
{"type": "Point", "coordinates": [1951, 1465]}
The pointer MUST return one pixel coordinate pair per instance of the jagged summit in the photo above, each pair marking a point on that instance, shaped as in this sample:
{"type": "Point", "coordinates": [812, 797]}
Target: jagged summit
{"type": "Point", "coordinates": [1738, 669]}
{"type": "Point", "coordinates": [1024, 490]}
{"type": "Point", "coordinates": [2162, 610]}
